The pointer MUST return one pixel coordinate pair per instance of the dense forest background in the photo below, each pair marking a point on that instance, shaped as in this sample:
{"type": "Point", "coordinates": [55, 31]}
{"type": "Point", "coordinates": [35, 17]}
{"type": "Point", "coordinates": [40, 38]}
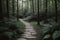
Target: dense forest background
{"type": "Point", "coordinates": [44, 14]}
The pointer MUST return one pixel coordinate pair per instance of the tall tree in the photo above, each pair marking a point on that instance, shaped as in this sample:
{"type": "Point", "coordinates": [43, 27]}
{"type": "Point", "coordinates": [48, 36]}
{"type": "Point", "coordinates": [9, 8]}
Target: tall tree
{"type": "Point", "coordinates": [22, 7]}
{"type": "Point", "coordinates": [7, 14]}
{"type": "Point", "coordinates": [46, 9]}
{"type": "Point", "coordinates": [13, 7]}
{"type": "Point", "coordinates": [33, 5]}
{"type": "Point", "coordinates": [1, 16]}
{"type": "Point", "coordinates": [27, 5]}
{"type": "Point", "coordinates": [17, 11]}
{"type": "Point", "coordinates": [38, 21]}
{"type": "Point", "coordinates": [56, 10]}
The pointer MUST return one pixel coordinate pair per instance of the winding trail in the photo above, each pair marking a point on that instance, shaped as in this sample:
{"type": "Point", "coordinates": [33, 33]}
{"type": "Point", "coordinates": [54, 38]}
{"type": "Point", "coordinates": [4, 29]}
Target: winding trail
{"type": "Point", "coordinates": [29, 33]}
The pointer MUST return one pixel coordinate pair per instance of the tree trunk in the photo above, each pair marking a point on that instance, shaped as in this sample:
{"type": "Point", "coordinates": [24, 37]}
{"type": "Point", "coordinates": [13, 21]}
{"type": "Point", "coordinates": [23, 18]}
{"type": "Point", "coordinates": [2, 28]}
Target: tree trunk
{"type": "Point", "coordinates": [7, 14]}
{"type": "Point", "coordinates": [46, 8]}
{"type": "Point", "coordinates": [13, 7]}
{"type": "Point", "coordinates": [33, 6]}
{"type": "Point", "coordinates": [17, 11]}
{"type": "Point", "coordinates": [1, 16]}
{"type": "Point", "coordinates": [56, 10]}
{"type": "Point", "coordinates": [38, 21]}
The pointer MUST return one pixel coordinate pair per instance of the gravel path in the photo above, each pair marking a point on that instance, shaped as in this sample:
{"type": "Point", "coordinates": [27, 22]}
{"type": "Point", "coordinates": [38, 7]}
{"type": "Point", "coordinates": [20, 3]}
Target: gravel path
{"type": "Point", "coordinates": [29, 33]}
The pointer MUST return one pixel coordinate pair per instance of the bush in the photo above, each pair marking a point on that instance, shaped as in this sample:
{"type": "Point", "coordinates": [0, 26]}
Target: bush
{"type": "Point", "coordinates": [11, 29]}
{"type": "Point", "coordinates": [49, 31]}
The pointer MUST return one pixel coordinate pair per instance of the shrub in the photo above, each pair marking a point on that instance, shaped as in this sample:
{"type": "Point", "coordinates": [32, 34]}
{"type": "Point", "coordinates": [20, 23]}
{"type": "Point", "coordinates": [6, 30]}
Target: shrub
{"type": "Point", "coordinates": [11, 29]}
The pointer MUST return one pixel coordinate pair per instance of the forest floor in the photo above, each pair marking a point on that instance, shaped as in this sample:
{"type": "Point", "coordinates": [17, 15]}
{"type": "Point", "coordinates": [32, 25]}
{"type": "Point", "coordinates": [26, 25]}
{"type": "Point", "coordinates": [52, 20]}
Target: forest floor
{"type": "Point", "coordinates": [30, 33]}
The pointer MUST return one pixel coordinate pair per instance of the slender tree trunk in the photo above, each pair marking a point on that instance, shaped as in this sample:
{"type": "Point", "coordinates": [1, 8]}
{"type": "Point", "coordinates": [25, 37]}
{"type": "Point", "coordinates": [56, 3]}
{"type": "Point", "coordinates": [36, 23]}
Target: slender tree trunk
{"type": "Point", "coordinates": [38, 21]}
{"type": "Point", "coordinates": [27, 6]}
{"type": "Point", "coordinates": [13, 7]}
{"type": "Point", "coordinates": [1, 16]}
{"type": "Point", "coordinates": [46, 17]}
{"type": "Point", "coordinates": [17, 11]}
{"type": "Point", "coordinates": [33, 6]}
{"type": "Point", "coordinates": [46, 8]}
{"type": "Point", "coordinates": [7, 1]}
{"type": "Point", "coordinates": [22, 8]}
{"type": "Point", "coordinates": [56, 10]}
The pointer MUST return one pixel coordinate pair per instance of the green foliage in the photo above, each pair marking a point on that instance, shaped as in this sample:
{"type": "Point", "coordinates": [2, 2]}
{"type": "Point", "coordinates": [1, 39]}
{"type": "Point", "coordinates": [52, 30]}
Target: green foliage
{"type": "Point", "coordinates": [46, 37]}
{"type": "Point", "coordinates": [56, 34]}
{"type": "Point", "coordinates": [49, 31]}
{"type": "Point", "coordinates": [11, 30]}
{"type": "Point", "coordinates": [20, 26]}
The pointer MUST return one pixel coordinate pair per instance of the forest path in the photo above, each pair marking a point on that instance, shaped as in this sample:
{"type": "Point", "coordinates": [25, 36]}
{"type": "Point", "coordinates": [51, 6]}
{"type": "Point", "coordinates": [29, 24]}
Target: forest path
{"type": "Point", "coordinates": [29, 33]}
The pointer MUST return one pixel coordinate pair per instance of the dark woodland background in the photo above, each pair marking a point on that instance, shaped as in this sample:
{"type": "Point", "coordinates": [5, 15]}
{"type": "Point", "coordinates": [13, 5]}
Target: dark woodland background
{"type": "Point", "coordinates": [44, 15]}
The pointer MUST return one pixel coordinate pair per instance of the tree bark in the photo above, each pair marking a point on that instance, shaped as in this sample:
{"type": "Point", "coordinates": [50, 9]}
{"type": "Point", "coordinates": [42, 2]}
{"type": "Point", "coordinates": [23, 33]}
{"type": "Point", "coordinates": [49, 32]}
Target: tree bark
{"type": "Point", "coordinates": [7, 14]}
{"type": "Point", "coordinates": [46, 8]}
{"type": "Point", "coordinates": [33, 6]}
{"type": "Point", "coordinates": [17, 11]}
{"type": "Point", "coordinates": [56, 11]}
{"type": "Point", "coordinates": [13, 7]}
{"type": "Point", "coordinates": [1, 16]}
{"type": "Point", "coordinates": [38, 21]}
